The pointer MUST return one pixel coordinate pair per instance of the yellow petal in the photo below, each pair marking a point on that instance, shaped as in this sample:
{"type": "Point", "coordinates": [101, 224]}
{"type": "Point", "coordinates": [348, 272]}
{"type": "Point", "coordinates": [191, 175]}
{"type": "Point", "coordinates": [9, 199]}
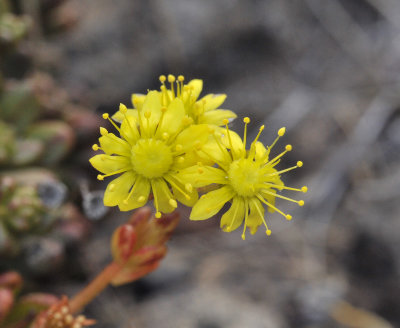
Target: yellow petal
{"type": "Point", "coordinates": [118, 189]}
{"type": "Point", "coordinates": [200, 176]}
{"type": "Point", "coordinates": [233, 218]}
{"type": "Point", "coordinates": [212, 101]}
{"type": "Point", "coordinates": [139, 196]}
{"type": "Point", "coordinates": [138, 100]}
{"type": "Point", "coordinates": [197, 87]}
{"type": "Point", "coordinates": [192, 137]}
{"type": "Point", "coordinates": [111, 144]}
{"type": "Point", "coordinates": [216, 117]}
{"type": "Point", "coordinates": [211, 203]}
{"type": "Point", "coordinates": [119, 117]}
{"type": "Point", "coordinates": [255, 218]}
{"type": "Point", "coordinates": [129, 130]}
{"type": "Point", "coordinates": [152, 107]}
{"type": "Point", "coordinates": [172, 119]}
{"type": "Point", "coordinates": [108, 164]}
{"type": "Point", "coordinates": [261, 152]}
{"type": "Point", "coordinates": [186, 197]}
{"type": "Point", "coordinates": [162, 196]}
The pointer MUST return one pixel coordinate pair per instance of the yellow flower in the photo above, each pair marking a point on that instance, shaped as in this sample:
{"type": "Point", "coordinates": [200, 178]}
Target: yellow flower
{"type": "Point", "coordinates": [202, 111]}
{"type": "Point", "coordinates": [247, 178]}
{"type": "Point", "coordinates": [147, 154]}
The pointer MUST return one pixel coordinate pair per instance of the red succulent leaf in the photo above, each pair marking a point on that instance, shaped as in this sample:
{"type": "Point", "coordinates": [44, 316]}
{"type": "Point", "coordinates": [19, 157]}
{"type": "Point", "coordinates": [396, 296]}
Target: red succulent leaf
{"type": "Point", "coordinates": [6, 302]}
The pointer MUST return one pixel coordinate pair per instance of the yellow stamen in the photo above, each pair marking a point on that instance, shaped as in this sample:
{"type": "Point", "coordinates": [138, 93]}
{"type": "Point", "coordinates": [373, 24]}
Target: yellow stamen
{"type": "Point", "coordinates": [246, 121]}
{"type": "Point", "coordinates": [281, 133]}
{"type": "Point", "coordinates": [270, 205]}
{"type": "Point", "coordinates": [95, 147]}
{"type": "Point", "coordinates": [107, 117]}
{"type": "Point", "coordinates": [300, 202]}
{"type": "Point", "coordinates": [267, 231]}
{"type": "Point", "coordinates": [246, 215]}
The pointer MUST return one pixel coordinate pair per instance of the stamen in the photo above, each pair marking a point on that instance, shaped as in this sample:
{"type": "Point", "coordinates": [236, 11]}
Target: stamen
{"type": "Point", "coordinates": [171, 80]}
{"type": "Point", "coordinates": [141, 199]}
{"type": "Point", "coordinates": [273, 185]}
{"type": "Point", "coordinates": [96, 147]}
{"type": "Point", "coordinates": [267, 230]}
{"type": "Point", "coordinates": [112, 173]}
{"type": "Point", "coordinates": [163, 111]}
{"type": "Point", "coordinates": [280, 172]}
{"type": "Point", "coordinates": [103, 131]}
{"type": "Point", "coordinates": [252, 151]}
{"type": "Point", "coordinates": [171, 181]}
{"type": "Point", "coordinates": [188, 187]}
{"type": "Point", "coordinates": [287, 149]}
{"type": "Point", "coordinates": [107, 117]}
{"type": "Point", "coordinates": [162, 79]}
{"type": "Point", "coordinates": [281, 133]}
{"type": "Point", "coordinates": [246, 121]}
{"type": "Point", "coordinates": [300, 202]}
{"type": "Point", "coordinates": [125, 201]}
{"type": "Point", "coordinates": [272, 206]}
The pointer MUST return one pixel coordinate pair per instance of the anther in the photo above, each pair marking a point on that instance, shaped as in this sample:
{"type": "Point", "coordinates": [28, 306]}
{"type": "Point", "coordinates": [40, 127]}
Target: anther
{"type": "Point", "coordinates": [246, 120]}
{"type": "Point", "coordinates": [171, 78]}
{"type": "Point", "coordinates": [112, 187]}
{"type": "Point", "coordinates": [288, 217]}
{"type": "Point", "coordinates": [103, 131]}
{"type": "Point", "coordinates": [268, 232]}
{"type": "Point", "coordinates": [95, 147]}
{"type": "Point", "coordinates": [301, 202]}
{"type": "Point", "coordinates": [281, 131]}
{"type": "Point", "coordinates": [165, 136]}
{"type": "Point", "coordinates": [163, 109]}
{"type": "Point", "coordinates": [304, 189]}
{"type": "Point", "coordinates": [122, 108]}
{"type": "Point", "coordinates": [299, 164]}
{"type": "Point", "coordinates": [147, 114]}
{"type": "Point", "coordinates": [243, 236]}
{"type": "Point", "coordinates": [225, 121]}
{"type": "Point", "coordinates": [141, 199]}
{"type": "Point", "coordinates": [200, 170]}
{"type": "Point", "coordinates": [158, 215]}
{"type": "Point", "coordinates": [178, 147]}
{"type": "Point", "coordinates": [173, 203]}
{"type": "Point", "coordinates": [100, 177]}
{"type": "Point", "coordinates": [106, 116]}
{"type": "Point", "coordinates": [181, 78]}
{"type": "Point", "coordinates": [288, 147]}
{"type": "Point", "coordinates": [180, 159]}
{"type": "Point", "coordinates": [162, 78]}
{"type": "Point", "coordinates": [262, 127]}
{"type": "Point", "coordinates": [64, 310]}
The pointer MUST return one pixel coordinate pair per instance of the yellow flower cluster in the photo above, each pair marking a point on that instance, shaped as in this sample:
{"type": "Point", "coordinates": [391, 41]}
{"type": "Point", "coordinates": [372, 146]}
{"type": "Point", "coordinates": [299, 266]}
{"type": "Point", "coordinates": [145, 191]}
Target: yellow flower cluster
{"type": "Point", "coordinates": [171, 143]}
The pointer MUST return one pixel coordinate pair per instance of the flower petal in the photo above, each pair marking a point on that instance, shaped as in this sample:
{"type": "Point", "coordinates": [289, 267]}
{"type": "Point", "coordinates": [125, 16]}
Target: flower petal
{"type": "Point", "coordinates": [129, 130]}
{"type": "Point", "coordinates": [261, 152]}
{"type": "Point", "coordinates": [162, 196]}
{"type": "Point", "coordinates": [152, 107]}
{"type": "Point", "coordinates": [197, 87]}
{"type": "Point", "coordinates": [212, 101]}
{"type": "Point", "coordinates": [108, 164]}
{"type": "Point", "coordinates": [192, 137]}
{"type": "Point", "coordinates": [172, 120]}
{"type": "Point", "coordinates": [216, 117]}
{"type": "Point", "coordinates": [200, 176]}
{"type": "Point", "coordinates": [184, 196]}
{"type": "Point", "coordinates": [118, 189]}
{"type": "Point", "coordinates": [137, 100]}
{"type": "Point", "coordinates": [139, 196]}
{"type": "Point", "coordinates": [119, 117]}
{"type": "Point", "coordinates": [211, 203]}
{"type": "Point", "coordinates": [256, 216]}
{"type": "Point", "coordinates": [233, 218]}
{"type": "Point", "coordinates": [111, 144]}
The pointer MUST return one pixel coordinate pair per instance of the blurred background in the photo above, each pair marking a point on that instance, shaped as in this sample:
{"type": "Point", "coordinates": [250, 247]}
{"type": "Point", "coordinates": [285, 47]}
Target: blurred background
{"type": "Point", "coordinates": [327, 70]}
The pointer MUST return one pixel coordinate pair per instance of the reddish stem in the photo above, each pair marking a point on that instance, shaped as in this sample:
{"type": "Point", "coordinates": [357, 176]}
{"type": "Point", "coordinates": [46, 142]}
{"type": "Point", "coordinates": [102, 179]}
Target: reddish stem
{"type": "Point", "coordinates": [86, 295]}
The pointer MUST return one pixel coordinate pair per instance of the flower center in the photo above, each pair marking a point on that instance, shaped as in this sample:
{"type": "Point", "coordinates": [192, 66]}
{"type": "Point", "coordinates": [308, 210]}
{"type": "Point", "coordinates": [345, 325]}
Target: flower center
{"type": "Point", "coordinates": [151, 158]}
{"type": "Point", "coordinates": [244, 175]}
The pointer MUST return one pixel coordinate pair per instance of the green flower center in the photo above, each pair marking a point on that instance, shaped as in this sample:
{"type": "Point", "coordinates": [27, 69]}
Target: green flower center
{"type": "Point", "coordinates": [151, 158]}
{"type": "Point", "coordinates": [244, 176]}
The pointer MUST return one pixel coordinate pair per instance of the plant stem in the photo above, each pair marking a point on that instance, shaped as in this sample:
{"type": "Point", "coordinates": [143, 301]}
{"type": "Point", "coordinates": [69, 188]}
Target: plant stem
{"type": "Point", "coordinates": [86, 295]}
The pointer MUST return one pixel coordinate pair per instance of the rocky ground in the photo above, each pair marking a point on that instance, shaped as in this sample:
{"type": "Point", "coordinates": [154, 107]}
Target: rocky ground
{"type": "Point", "coordinates": [329, 72]}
